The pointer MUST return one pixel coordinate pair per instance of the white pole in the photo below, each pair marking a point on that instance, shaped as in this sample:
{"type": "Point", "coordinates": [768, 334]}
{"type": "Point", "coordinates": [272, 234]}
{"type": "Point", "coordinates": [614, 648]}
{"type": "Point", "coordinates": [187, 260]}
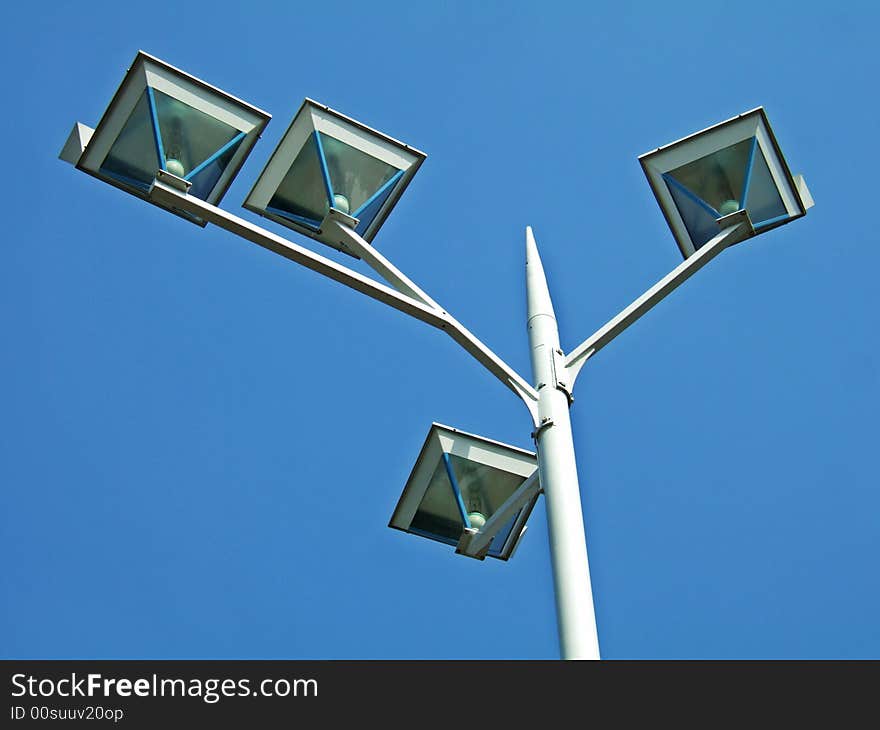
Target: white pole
{"type": "Point", "coordinates": [576, 620]}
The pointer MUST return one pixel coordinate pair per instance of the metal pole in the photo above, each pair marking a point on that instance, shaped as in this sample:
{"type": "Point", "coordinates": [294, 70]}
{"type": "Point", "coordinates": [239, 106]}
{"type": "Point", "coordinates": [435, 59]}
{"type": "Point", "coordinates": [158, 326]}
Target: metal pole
{"type": "Point", "coordinates": [576, 620]}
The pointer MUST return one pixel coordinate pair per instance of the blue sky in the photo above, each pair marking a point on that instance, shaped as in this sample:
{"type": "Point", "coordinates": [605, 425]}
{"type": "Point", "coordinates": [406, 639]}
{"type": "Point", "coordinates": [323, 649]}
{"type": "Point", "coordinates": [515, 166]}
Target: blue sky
{"type": "Point", "coordinates": [202, 443]}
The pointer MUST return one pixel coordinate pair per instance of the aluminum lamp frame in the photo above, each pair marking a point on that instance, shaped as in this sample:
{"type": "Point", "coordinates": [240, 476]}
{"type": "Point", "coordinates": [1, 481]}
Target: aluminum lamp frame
{"type": "Point", "coordinates": [656, 164]}
{"type": "Point", "coordinates": [474, 542]}
{"type": "Point", "coordinates": [88, 149]}
{"type": "Point", "coordinates": [314, 118]}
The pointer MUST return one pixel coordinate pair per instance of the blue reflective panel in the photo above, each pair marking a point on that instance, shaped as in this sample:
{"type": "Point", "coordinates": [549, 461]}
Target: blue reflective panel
{"type": "Point", "coordinates": [355, 176]}
{"type": "Point", "coordinates": [133, 159]}
{"type": "Point", "coordinates": [194, 145]}
{"type": "Point", "coordinates": [189, 136]}
{"type": "Point", "coordinates": [718, 178]}
{"type": "Point", "coordinates": [438, 516]}
{"type": "Point", "coordinates": [302, 194]}
{"type": "Point", "coordinates": [207, 174]}
{"type": "Point", "coordinates": [370, 209]}
{"type": "Point", "coordinates": [483, 489]}
{"type": "Point", "coordinates": [764, 203]}
{"type": "Point", "coordinates": [698, 218]}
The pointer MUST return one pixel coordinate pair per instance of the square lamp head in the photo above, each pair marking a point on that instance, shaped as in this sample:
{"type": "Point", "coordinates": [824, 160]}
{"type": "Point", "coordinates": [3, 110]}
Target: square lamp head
{"type": "Point", "coordinates": [731, 167]}
{"type": "Point", "coordinates": [328, 161]}
{"type": "Point", "coordinates": [459, 482]}
{"type": "Point", "coordinates": [166, 122]}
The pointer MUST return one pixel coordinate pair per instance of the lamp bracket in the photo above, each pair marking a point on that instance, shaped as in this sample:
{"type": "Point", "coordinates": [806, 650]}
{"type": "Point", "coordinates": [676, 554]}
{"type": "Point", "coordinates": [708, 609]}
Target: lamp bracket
{"type": "Point", "coordinates": [334, 214]}
{"type": "Point", "coordinates": [464, 543]}
{"type": "Point", "coordinates": [76, 143]}
{"type": "Point", "coordinates": [178, 183]}
{"type": "Point", "coordinates": [732, 219]}
{"type": "Point", "coordinates": [330, 228]}
{"type": "Point", "coordinates": [803, 191]}
{"type": "Point", "coordinates": [546, 422]}
{"type": "Point", "coordinates": [561, 376]}
{"type": "Point", "coordinates": [475, 543]}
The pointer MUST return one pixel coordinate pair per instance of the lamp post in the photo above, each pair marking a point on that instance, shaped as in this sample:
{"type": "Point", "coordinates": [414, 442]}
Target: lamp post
{"type": "Point", "coordinates": [177, 142]}
{"type": "Point", "coordinates": [575, 615]}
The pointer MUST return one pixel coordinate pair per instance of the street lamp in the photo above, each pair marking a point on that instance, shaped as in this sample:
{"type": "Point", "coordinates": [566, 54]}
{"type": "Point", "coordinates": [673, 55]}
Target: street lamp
{"type": "Point", "coordinates": [331, 167]}
{"type": "Point", "coordinates": [469, 491]}
{"type": "Point", "coordinates": [163, 122]}
{"type": "Point", "coordinates": [736, 167]}
{"type": "Point", "coordinates": [335, 180]}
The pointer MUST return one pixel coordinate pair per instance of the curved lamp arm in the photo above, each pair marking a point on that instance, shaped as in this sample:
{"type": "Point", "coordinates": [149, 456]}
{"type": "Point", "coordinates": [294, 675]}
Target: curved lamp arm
{"type": "Point", "coordinates": [405, 296]}
{"type": "Point", "coordinates": [575, 360]}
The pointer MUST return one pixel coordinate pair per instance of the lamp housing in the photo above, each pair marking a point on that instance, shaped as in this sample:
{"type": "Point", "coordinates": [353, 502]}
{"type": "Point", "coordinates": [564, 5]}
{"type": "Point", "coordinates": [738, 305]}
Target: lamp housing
{"type": "Point", "coordinates": [163, 120]}
{"type": "Point", "coordinates": [459, 481]}
{"type": "Point", "coordinates": [328, 164]}
{"type": "Point", "coordinates": [733, 166]}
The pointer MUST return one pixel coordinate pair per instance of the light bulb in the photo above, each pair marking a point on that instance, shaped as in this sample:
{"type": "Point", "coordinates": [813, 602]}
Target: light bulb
{"type": "Point", "coordinates": [477, 520]}
{"type": "Point", "coordinates": [340, 202]}
{"type": "Point", "coordinates": [175, 166]}
{"type": "Point", "coordinates": [728, 207]}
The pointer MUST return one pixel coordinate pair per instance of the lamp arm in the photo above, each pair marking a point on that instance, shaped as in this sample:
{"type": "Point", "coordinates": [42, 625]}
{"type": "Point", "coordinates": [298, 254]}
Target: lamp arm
{"type": "Point", "coordinates": [475, 543]}
{"type": "Point", "coordinates": [411, 300]}
{"type": "Point", "coordinates": [352, 240]}
{"type": "Point", "coordinates": [595, 342]}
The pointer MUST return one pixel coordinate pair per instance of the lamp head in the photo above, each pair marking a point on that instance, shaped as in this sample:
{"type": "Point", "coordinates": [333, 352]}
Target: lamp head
{"type": "Point", "coordinates": [730, 167]}
{"type": "Point", "coordinates": [164, 120]}
{"type": "Point", "coordinates": [326, 161]}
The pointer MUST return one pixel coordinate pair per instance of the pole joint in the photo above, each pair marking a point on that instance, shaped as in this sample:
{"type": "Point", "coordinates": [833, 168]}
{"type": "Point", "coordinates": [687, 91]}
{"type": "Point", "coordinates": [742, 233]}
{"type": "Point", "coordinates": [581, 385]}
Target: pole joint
{"type": "Point", "coordinates": [561, 379]}
{"type": "Point", "coordinates": [546, 422]}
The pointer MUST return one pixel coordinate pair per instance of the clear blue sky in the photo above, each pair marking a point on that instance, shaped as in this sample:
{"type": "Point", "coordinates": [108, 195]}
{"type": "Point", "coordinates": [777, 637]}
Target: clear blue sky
{"type": "Point", "coordinates": [201, 443]}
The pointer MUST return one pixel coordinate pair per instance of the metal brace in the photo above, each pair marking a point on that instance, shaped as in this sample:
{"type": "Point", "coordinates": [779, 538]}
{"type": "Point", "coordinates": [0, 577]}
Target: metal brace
{"type": "Point", "coordinates": [178, 183]}
{"type": "Point", "coordinates": [546, 422]}
{"type": "Point", "coordinates": [557, 361]}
